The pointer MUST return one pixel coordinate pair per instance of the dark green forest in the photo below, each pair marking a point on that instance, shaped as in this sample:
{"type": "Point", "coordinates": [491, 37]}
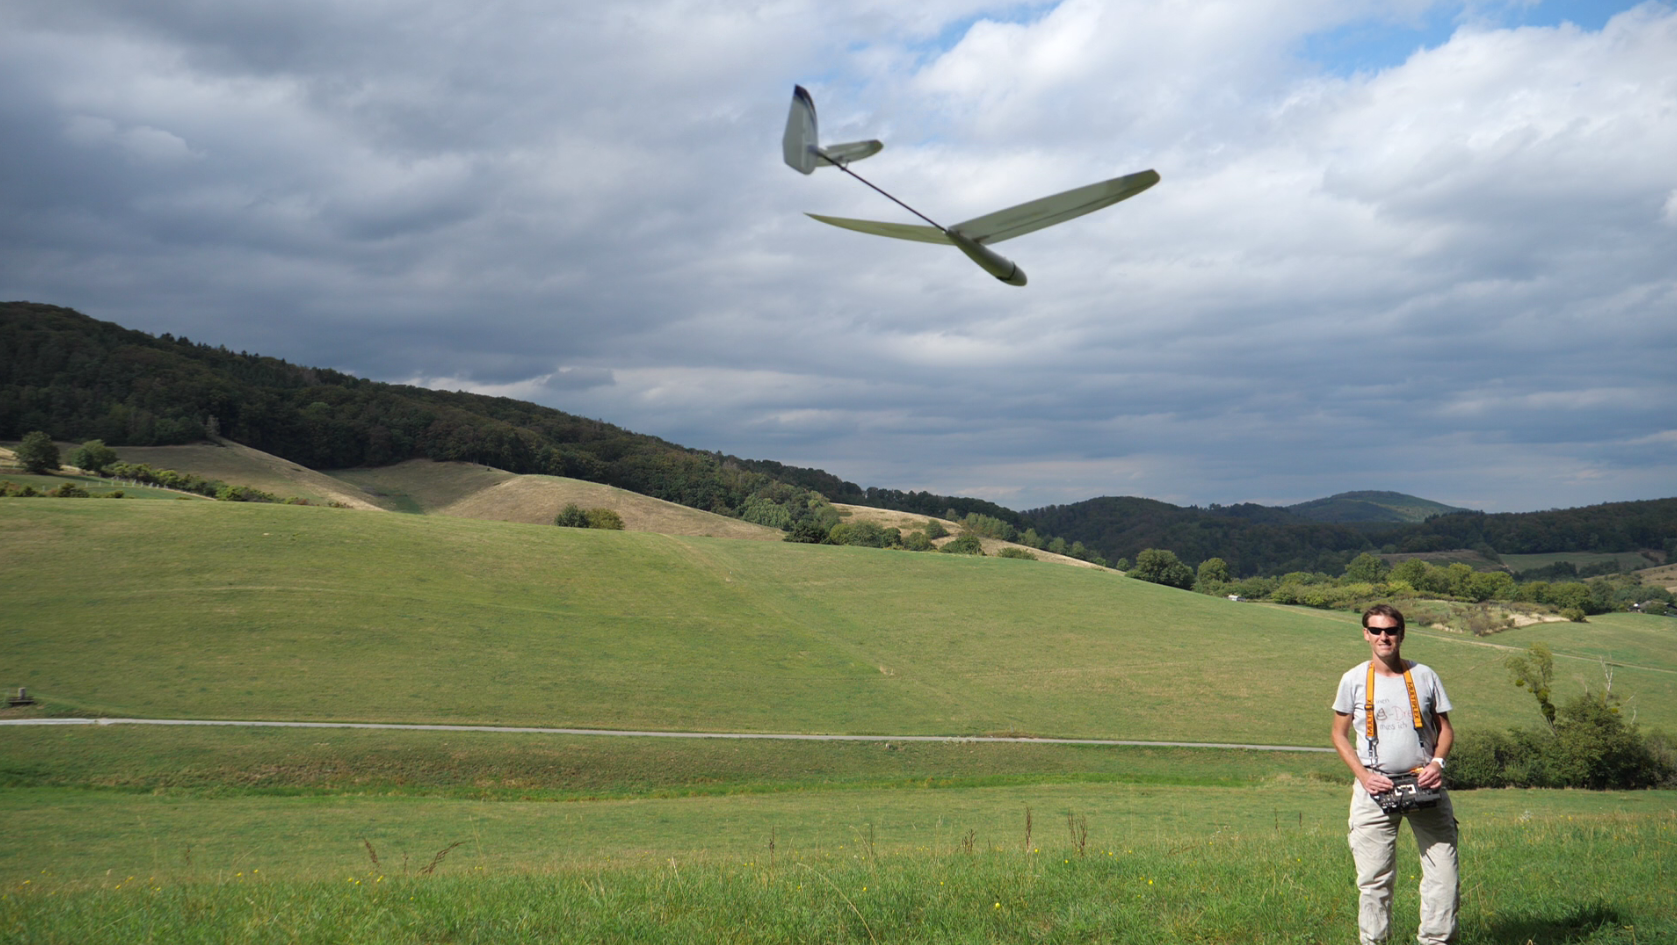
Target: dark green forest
{"type": "Point", "coordinates": [77, 379]}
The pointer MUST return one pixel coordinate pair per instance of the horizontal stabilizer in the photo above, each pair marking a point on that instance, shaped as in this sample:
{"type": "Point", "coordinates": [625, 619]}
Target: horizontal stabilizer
{"type": "Point", "coordinates": [901, 231]}
{"type": "Point", "coordinates": [851, 151]}
{"type": "Point", "coordinates": [1046, 211]}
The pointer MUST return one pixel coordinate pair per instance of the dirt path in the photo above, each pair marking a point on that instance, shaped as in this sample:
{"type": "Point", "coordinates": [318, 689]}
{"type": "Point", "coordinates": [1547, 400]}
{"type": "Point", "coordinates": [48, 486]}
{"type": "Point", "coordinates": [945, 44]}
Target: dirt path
{"type": "Point", "coordinates": [529, 730]}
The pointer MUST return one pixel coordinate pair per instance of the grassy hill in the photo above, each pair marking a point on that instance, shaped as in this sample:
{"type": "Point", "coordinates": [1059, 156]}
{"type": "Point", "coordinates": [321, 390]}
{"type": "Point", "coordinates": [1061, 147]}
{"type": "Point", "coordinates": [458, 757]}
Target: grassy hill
{"type": "Point", "coordinates": [248, 611]}
{"type": "Point", "coordinates": [1368, 506]}
{"type": "Point", "coordinates": [467, 490]}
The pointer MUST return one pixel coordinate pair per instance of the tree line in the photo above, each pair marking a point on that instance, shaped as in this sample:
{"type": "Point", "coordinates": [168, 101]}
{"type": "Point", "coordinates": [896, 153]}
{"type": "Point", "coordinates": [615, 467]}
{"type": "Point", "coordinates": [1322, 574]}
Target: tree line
{"type": "Point", "coordinates": [1369, 579]}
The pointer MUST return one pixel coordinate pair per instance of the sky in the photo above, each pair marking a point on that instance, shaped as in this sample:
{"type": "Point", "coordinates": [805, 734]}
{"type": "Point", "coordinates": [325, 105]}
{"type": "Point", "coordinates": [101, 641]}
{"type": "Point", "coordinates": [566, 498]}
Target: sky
{"type": "Point", "coordinates": [1418, 246]}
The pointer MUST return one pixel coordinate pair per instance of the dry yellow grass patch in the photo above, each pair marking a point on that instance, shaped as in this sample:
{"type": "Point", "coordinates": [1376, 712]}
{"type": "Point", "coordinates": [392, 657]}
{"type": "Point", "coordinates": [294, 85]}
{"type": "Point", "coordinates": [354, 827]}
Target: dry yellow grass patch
{"type": "Point", "coordinates": [537, 500]}
{"type": "Point", "coordinates": [239, 465]}
{"type": "Point", "coordinates": [890, 518]}
{"type": "Point", "coordinates": [1663, 576]}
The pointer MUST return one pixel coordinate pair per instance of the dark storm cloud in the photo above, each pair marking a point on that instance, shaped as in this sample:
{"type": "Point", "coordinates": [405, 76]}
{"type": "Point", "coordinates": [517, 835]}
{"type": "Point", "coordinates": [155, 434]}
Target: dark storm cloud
{"type": "Point", "coordinates": [1464, 256]}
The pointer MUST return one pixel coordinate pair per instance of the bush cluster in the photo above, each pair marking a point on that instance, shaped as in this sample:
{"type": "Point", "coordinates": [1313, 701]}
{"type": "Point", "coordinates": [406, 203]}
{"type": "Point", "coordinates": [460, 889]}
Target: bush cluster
{"type": "Point", "coordinates": [1590, 746]}
{"type": "Point", "coordinates": [68, 490]}
{"type": "Point", "coordinates": [1366, 579]}
{"type": "Point", "coordinates": [575, 516]}
{"type": "Point", "coordinates": [1587, 743]}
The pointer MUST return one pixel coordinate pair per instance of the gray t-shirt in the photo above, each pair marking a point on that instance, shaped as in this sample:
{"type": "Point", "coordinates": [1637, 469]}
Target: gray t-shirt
{"type": "Point", "coordinates": [1400, 746]}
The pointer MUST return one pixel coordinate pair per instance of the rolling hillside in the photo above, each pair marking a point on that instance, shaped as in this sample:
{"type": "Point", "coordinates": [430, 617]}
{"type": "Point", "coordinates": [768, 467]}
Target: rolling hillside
{"type": "Point", "coordinates": [251, 611]}
{"type": "Point", "coordinates": [1360, 507]}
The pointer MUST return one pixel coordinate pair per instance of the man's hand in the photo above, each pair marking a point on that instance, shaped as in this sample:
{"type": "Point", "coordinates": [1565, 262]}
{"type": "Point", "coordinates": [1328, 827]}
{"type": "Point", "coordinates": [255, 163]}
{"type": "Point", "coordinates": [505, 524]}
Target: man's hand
{"type": "Point", "coordinates": [1431, 776]}
{"type": "Point", "coordinates": [1376, 783]}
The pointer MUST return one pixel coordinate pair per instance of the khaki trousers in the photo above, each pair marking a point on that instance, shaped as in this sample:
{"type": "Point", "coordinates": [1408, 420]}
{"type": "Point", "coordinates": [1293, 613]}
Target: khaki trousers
{"type": "Point", "coordinates": [1373, 838]}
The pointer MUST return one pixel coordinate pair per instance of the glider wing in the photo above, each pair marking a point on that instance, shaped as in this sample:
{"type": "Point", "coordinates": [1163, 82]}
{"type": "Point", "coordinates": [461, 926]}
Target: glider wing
{"type": "Point", "coordinates": [1046, 211]}
{"type": "Point", "coordinates": [901, 231]}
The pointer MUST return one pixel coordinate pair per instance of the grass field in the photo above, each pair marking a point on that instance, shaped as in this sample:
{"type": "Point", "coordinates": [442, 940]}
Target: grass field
{"type": "Point", "coordinates": [127, 833]}
{"type": "Point", "coordinates": [1160, 864]}
{"type": "Point", "coordinates": [188, 609]}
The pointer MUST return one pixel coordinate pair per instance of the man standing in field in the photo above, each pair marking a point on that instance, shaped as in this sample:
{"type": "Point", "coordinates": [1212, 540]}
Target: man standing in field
{"type": "Point", "coordinates": [1400, 715]}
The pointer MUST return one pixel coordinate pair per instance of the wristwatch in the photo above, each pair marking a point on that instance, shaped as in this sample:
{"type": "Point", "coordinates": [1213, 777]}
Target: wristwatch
{"type": "Point", "coordinates": [1439, 762]}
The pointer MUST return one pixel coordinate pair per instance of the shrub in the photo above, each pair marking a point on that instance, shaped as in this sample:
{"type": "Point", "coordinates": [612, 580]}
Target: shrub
{"type": "Point", "coordinates": [762, 510]}
{"type": "Point", "coordinates": [1214, 570]}
{"type": "Point", "coordinates": [964, 545]}
{"type": "Point", "coordinates": [93, 456]}
{"type": "Point", "coordinates": [1366, 568]}
{"type": "Point", "coordinates": [810, 531]}
{"type": "Point", "coordinates": [243, 494]}
{"type": "Point", "coordinates": [1574, 614]}
{"type": "Point", "coordinates": [917, 541]}
{"type": "Point", "coordinates": [68, 490]}
{"type": "Point", "coordinates": [1159, 566]}
{"type": "Point", "coordinates": [572, 516]}
{"type": "Point", "coordinates": [935, 529]}
{"type": "Point", "coordinates": [604, 518]}
{"type": "Point", "coordinates": [1011, 552]}
{"type": "Point", "coordinates": [38, 453]}
{"type": "Point", "coordinates": [986, 527]}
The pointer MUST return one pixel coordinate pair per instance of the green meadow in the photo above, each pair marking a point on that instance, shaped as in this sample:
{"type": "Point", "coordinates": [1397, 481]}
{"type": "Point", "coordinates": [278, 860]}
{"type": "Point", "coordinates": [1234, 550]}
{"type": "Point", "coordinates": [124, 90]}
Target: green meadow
{"type": "Point", "coordinates": [1137, 864]}
{"type": "Point", "coordinates": [127, 833]}
{"type": "Point", "coordinates": [220, 610]}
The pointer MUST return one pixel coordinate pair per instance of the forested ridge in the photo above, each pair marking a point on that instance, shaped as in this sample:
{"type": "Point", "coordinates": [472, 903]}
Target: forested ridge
{"type": "Point", "coordinates": [78, 378]}
{"type": "Point", "coordinates": [1256, 539]}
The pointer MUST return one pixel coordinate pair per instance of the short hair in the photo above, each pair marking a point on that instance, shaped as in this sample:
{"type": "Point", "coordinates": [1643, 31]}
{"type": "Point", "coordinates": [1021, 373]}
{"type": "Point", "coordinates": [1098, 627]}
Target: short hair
{"type": "Point", "coordinates": [1384, 610]}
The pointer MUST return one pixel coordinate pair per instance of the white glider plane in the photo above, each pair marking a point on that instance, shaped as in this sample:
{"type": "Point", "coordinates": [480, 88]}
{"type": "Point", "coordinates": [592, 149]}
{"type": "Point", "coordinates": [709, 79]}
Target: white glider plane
{"type": "Point", "coordinates": [804, 153]}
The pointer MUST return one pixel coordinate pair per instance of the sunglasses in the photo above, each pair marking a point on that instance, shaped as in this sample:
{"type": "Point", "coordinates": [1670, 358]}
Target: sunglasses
{"type": "Point", "coordinates": [1387, 631]}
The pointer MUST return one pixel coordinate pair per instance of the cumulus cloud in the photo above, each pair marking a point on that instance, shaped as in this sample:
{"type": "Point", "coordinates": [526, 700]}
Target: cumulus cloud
{"type": "Point", "coordinates": [1447, 273]}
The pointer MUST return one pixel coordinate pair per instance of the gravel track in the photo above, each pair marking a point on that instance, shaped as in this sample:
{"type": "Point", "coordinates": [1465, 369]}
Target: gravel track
{"type": "Point", "coordinates": [622, 733]}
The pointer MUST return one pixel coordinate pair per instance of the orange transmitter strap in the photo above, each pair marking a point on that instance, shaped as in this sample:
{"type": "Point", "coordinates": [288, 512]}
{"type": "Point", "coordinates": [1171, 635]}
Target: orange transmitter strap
{"type": "Point", "coordinates": [1368, 702]}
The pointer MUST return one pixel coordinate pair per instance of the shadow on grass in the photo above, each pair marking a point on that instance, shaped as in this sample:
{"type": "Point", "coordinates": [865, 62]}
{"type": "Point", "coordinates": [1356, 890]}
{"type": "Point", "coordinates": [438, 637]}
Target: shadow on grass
{"type": "Point", "coordinates": [1579, 922]}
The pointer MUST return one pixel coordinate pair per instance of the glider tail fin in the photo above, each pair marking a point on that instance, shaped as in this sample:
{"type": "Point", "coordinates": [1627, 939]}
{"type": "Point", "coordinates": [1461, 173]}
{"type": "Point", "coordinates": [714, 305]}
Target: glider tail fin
{"type": "Point", "coordinates": [801, 145]}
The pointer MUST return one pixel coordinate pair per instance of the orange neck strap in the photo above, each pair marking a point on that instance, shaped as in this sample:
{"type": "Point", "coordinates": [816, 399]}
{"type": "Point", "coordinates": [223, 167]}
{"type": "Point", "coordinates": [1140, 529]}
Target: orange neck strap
{"type": "Point", "coordinates": [1368, 701]}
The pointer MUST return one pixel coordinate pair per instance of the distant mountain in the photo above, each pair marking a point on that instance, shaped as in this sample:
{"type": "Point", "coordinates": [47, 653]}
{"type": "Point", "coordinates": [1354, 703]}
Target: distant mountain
{"type": "Point", "coordinates": [1354, 508]}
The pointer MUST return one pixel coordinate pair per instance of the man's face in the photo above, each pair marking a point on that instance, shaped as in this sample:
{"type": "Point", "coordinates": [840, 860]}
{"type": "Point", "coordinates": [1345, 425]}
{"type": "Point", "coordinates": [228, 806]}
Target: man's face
{"type": "Point", "coordinates": [1382, 634]}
